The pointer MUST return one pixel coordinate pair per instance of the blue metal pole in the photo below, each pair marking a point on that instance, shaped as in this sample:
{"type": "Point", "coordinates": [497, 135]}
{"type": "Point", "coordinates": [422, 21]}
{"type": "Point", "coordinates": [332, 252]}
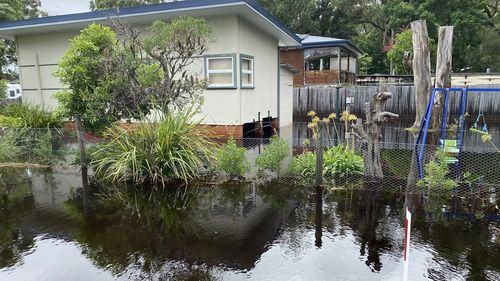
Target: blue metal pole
{"type": "Point", "coordinates": [465, 93]}
{"type": "Point", "coordinates": [424, 138]}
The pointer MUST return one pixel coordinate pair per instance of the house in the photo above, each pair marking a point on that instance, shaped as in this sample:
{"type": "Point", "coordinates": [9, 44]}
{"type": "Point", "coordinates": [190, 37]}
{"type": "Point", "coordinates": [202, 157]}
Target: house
{"type": "Point", "coordinates": [322, 60]}
{"type": "Point", "coordinates": [13, 90]}
{"type": "Point", "coordinates": [247, 83]}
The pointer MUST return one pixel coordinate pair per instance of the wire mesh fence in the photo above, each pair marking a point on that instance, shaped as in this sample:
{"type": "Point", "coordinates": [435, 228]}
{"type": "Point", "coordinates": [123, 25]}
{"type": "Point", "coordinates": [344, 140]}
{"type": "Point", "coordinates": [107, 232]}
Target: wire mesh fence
{"type": "Point", "coordinates": [475, 172]}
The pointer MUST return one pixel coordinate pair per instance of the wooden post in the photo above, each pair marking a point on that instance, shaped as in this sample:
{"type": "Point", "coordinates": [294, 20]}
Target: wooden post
{"type": "Point", "coordinates": [443, 72]}
{"type": "Point", "coordinates": [319, 157]}
{"type": "Point", "coordinates": [83, 161]}
{"type": "Point", "coordinates": [421, 68]}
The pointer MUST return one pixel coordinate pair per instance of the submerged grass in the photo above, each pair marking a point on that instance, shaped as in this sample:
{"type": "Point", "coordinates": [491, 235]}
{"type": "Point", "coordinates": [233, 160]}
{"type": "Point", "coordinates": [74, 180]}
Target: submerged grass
{"type": "Point", "coordinates": [175, 148]}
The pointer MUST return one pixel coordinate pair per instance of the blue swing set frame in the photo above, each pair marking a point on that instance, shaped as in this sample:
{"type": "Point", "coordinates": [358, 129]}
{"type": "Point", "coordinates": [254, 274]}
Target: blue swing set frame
{"type": "Point", "coordinates": [424, 125]}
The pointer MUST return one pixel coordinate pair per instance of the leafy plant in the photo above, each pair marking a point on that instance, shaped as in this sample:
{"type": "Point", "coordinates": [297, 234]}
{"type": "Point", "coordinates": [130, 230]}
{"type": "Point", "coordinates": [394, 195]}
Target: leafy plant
{"type": "Point", "coordinates": [437, 172]}
{"type": "Point", "coordinates": [273, 155]}
{"type": "Point", "coordinates": [28, 116]}
{"type": "Point", "coordinates": [175, 148]}
{"type": "Point", "coordinates": [303, 165]}
{"type": "Point", "coordinates": [342, 162]}
{"type": "Point", "coordinates": [3, 88]}
{"type": "Point", "coordinates": [232, 161]}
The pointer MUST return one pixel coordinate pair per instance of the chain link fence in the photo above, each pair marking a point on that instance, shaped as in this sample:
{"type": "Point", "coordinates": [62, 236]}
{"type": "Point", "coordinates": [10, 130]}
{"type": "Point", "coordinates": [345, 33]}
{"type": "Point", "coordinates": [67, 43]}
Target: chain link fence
{"type": "Point", "coordinates": [475, 173]}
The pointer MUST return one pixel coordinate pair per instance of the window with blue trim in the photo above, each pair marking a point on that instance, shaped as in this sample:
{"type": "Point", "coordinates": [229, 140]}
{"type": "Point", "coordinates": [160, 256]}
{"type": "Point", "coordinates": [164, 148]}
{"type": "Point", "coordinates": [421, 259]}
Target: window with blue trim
{"type": "Point", "coordinates": [220, 71]}
{"type": "Point", "coordinates": [247, 71]}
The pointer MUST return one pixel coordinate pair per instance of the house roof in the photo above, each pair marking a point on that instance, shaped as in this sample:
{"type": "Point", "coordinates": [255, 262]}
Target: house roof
{"type": "Point", "coordinates": [311, 41]}
{"type": "Point", "coordinates": [248, 9]}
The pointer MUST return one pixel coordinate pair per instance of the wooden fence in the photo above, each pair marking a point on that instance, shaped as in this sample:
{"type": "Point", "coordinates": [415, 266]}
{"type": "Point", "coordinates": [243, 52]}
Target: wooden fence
{"type": "Point", "coordinates": [323, 100]}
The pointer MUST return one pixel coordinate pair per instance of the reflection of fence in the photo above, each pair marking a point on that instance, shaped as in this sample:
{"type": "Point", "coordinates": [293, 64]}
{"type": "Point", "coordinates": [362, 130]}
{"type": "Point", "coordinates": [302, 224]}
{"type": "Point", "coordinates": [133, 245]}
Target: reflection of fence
{"type": "Point", "coordinates": [60, 146]}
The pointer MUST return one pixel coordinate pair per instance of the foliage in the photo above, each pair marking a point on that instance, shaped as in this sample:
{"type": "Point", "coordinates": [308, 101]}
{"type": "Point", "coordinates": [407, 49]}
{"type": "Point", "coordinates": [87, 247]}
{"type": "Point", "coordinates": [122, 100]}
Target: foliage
{"type": "Point", "coordinates": [488, 138]}
{"type": "Point", "coordinates": [437, 173]}
{"type": "Point", "coordinates": [3, 88]}
{"type": "Point", "coordinates": [303, 165]}
{"type": "Point", "coordinates": [296, 14]}
{"type": "Point", "coordinates": [232, 160]}
{"type": "Point", "coordinates": [175, 148]}
{"type": "Point", "coordinates": [28, 116]}
{"type": "Point", "coordinates": [110, 4]}
{"type": "Point", "coordinates": [40, 147]}
{"type": "Point", "coordinates": [9, 148]}
{"type": "Point", "coordinates": [111, 79]}
{"type": "Point", "coordinates": [274, 155]}
{"type": "Point", "coordinates": [83, 69]}
{"type": "Point", "coordinates": [403, 44]}
{"type": "Point", "coordinates": [342, 162]}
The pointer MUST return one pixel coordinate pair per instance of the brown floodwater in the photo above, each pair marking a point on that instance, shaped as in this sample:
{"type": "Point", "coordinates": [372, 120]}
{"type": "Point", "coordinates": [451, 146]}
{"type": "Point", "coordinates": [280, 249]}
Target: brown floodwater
{"type": "Point", "coordinates": [237, 232]}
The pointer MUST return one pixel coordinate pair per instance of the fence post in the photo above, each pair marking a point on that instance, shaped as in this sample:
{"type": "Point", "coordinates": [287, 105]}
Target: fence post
{"type": "Point", "coordinates": [83, 159]}
{"type": "Point", "coordinates": [319, 158]}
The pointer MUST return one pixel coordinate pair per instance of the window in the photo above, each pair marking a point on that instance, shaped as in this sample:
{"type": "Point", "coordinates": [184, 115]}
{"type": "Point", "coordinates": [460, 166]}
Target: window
{"type": "Point", "coordinates": [220, 71]}
{"type": "Point", "coordinates": [12, 94]}
{"type": "Point", "coordinates": [18, 91]}
{"type": "Point", "coordinates": [247, 71]}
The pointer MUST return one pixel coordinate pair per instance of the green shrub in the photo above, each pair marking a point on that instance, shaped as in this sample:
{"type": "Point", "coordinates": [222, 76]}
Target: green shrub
{"type": "Point", "coordinates": [232, 161]}
{"type": "Point", "coordinates": [28, 116]}
{"type": "Point", "coordinates": [303, 165]}
{"type": "Point", "coordinates": [41, 149]}
{"type": "Point", "coordinates": [175, 148]}
{"type": "Point", "coordinates": [437, 173]}
{"type": "Point", "coordinates": [342, 162]}
{"type": "Point", "coordinates": [3, 88]}
{"type": "Point", "coordinates": [273, 155]}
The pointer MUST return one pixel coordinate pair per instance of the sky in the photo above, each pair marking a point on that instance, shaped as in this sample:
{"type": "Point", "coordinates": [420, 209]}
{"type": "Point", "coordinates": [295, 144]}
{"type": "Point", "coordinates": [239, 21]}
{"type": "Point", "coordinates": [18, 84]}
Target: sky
{"type": "Point", "coordinates": [61, 7]}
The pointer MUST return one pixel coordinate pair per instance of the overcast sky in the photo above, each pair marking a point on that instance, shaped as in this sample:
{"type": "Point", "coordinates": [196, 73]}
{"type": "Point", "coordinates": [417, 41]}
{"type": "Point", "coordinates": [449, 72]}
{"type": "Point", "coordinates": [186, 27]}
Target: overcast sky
{"type": "Point", "coordinates": [61, 7]}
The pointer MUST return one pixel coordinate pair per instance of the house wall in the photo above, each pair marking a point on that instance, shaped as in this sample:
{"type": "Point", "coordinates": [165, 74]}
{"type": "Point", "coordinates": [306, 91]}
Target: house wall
{"type": "Point", "coordinates": [221, 106]}
{"type": "Point", "coordinates": [286, 98]}
{"type": "Point", "coordinates": [264, 97]}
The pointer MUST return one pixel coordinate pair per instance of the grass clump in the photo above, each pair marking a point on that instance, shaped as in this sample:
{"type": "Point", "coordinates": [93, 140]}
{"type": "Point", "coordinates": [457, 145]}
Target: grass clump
{"type": "Point", "coordinates": [273, 156]}
{"type": "Point", "coordinates": [175, 148]}
{"type": "Point", "coordinates": [231, 160]}
{"type": "Point", "coordinates": [28, 116]}
{"type": "Point", "coordinates": [303, 165]}
{"type": "Point", "coordinates": [10, 151]}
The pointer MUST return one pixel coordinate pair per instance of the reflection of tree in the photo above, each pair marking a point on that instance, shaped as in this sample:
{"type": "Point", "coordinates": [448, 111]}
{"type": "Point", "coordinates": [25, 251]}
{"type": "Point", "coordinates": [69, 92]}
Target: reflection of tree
{"type": "Point", "coordinates": [16, 200]}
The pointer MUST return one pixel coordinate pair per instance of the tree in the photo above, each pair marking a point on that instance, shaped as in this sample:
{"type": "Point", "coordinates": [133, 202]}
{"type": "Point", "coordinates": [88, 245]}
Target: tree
{"type": "Point", "coordinates": [400, 52]}
{"type": "Point", "coordinates": [296, 14]}
{"type": "Point", "coordinates": [110, 4]}
{"type": "Point", "coordinates": [111, 79]}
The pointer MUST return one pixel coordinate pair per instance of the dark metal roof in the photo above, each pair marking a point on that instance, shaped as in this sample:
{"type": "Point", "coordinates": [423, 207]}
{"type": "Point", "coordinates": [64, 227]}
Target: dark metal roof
{"type": "Point", "coordinates": [145, 9]}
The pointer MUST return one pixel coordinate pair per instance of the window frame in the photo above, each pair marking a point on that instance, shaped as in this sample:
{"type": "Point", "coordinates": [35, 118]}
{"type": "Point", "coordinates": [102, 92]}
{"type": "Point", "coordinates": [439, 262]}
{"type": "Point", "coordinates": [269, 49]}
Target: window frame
{"type": "Point", "coordinates": [252, 72]}
{"type": "Point", "coordinates": [12, 93]}
{"type": "Point", "coordinates": [233, 71]}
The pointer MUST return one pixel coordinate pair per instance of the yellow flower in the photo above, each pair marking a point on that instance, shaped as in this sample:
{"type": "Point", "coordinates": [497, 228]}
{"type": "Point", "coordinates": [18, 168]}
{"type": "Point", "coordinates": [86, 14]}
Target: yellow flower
{"type": "Point", "coordinates": [311, 113]}
{"type": "Point", "coordinates": [311, 125]}
{"type": "Point", "coordinates": [345, 115]}
{"type": "Point", "coordinates": [352, 117]}
{"type": "Point", "coordinates": [332, 116]}
{"type": "Point", "coordinates": [486, 137]}
{"type": "Point", "coordinates": [326, 120]}
{"type": "Point", "coordinates": [315, 119]}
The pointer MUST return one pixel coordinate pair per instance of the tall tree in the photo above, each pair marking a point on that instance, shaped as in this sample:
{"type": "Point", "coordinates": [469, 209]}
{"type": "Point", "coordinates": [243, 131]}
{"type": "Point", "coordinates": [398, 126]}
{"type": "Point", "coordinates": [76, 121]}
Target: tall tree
{"type": "Point", "coordinates": [296, 14]}
{"type": "Point", "coordinates": [110, 4]}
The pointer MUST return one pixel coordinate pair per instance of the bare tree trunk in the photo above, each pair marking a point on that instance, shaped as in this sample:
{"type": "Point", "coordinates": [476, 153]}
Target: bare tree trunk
{"type": "Point", "coordinates": [443, 72]}
{"type": "Point", "coordinates": [421, 68]}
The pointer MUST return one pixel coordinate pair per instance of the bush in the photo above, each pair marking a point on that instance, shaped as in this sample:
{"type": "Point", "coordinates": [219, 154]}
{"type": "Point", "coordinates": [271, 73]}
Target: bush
{"type": "Point", "coordinates": [175, 148]}
{"type": "Point", "coordinates": [28, 116]}
{"type": "Point", "coordinates": [341, 162]}
{"type": "Point", "coordinates": [3, 88]}
{"type": "Point", "coordinates": [304, 165]}
{"type": "Point", "coordinates": [436, 173]}
{"type": "Point", "coordinates": [232, 160]}
{"type": "Point", "coordinates": [273, 155]}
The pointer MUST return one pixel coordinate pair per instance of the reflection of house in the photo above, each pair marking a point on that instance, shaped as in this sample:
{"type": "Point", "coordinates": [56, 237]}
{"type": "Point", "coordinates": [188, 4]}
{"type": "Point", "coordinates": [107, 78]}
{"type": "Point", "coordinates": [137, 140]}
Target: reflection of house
{"type": "Point", "coordinates": [322, 60]}
{"type": "Point", "coordinates": [242, 66]}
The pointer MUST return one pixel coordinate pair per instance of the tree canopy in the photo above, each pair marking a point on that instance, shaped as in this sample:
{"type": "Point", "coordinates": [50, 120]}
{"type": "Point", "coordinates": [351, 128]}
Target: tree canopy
{"type": "Point", "coordinates": [369, 23]}
{"type": "Point", "coordinates": [110, 4]}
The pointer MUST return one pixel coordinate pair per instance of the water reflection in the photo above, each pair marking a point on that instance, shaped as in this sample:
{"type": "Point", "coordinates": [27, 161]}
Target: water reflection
{"type": "Point", "coordinates": [236, 231]}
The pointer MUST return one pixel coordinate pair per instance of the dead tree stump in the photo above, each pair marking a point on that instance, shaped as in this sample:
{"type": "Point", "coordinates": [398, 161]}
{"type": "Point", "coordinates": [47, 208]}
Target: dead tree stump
{"type": "Point", "coordinates": [370, 137]}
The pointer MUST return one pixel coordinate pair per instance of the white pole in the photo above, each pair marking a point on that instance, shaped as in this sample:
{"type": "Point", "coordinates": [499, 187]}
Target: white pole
{"type": "Point", "coordinates": [407, 243]}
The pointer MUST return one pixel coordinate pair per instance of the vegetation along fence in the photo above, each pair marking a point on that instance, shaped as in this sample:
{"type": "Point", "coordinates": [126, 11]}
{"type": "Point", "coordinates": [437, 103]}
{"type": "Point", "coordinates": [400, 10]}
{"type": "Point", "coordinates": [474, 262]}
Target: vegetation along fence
{"type": "Point", "coordinates": [341, 163]}
{"type": "Point", "coordinates": [323, 100]}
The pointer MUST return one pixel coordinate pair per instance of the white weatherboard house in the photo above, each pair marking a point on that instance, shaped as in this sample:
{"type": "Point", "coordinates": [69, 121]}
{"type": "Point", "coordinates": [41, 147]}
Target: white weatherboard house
{"type": "Point", "coordinates": [250, 83]}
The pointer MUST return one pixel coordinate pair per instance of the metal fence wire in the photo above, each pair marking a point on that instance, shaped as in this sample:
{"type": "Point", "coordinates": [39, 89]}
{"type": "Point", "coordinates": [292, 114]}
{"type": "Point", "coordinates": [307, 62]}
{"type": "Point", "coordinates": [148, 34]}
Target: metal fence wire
{"type": "Point", "coordinates": [477, 172]}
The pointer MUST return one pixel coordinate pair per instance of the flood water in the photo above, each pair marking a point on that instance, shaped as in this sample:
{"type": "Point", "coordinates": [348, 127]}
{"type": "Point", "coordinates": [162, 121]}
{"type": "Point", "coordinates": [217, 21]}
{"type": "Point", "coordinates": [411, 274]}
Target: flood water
{"type": "Point", "coordinates": [237, 232]}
